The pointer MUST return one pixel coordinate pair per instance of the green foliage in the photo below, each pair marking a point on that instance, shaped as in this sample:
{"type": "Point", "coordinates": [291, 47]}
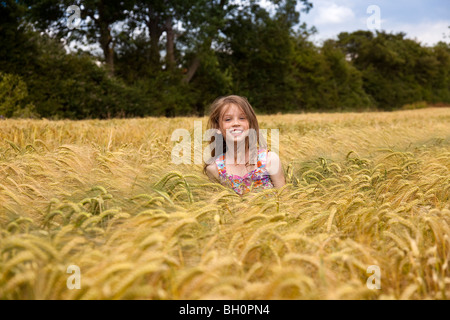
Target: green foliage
{"type": "Point", "coordinates": [27, 112]}
{"type": "Point", "coordinates": [261, 52]}
{"type": "Point", "coordinates": [62, 85]}
{"type": "Point", "coordinates": [416, 105]}
{"type": "Point", "coordinates": [345, 81]}
{"type": "Point", "coordinates": [12, 91]}
{"type": "Point", "coordinates": [398, 71]}
{"type": "Point", "coordinates": [326, 80]}
{"type": "Point", "coordinates": [174, 58]}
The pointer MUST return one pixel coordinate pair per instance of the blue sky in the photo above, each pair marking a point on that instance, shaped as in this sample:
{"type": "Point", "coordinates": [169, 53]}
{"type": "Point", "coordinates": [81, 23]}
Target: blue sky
{"type": "Point", "coordinates": [427, 21]}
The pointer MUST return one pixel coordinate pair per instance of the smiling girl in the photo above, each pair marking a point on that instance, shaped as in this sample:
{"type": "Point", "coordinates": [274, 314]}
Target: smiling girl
{"type": "Point", "coordinates": [236, 165]}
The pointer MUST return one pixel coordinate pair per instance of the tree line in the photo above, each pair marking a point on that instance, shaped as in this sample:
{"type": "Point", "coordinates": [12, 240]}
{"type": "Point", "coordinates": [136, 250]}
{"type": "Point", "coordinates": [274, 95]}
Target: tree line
{"type": "Point", "coordinates": [173, 58]}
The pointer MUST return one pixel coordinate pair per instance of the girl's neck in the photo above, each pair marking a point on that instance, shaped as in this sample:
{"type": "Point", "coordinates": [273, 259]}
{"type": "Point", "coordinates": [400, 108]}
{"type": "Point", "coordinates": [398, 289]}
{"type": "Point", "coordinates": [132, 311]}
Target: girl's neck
{"type": "Point", "coordinates": [241, 154]}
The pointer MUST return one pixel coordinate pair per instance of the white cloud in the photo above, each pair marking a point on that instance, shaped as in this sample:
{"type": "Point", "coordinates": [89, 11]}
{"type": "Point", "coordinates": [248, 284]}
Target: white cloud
{"type": "Point", "coordinates": [331, 17]}
{"type": "Point", "coordinates": [428, 32]}
{"type": "Point", "coordinates": [331, 13]}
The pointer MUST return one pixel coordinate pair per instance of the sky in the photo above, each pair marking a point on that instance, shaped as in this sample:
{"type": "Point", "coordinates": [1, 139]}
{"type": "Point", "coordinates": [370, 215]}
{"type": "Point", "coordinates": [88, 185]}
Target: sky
{"type": "Point", "coordinates": [426, 21]}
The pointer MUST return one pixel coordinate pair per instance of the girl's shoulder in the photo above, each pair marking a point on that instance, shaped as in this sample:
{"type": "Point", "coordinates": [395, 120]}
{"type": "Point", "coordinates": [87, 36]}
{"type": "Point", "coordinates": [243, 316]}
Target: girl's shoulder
{"type": "Point", "coordinates": [263, 153]}
{"type": "Point", "coordinates": [273, 162]}
{"type": "Point", "coordinates": [272, 156]}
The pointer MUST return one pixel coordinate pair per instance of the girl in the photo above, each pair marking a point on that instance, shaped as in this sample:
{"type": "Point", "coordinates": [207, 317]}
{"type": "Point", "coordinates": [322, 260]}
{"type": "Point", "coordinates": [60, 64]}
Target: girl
{"type": "Point", "coordinates": [234, 165]}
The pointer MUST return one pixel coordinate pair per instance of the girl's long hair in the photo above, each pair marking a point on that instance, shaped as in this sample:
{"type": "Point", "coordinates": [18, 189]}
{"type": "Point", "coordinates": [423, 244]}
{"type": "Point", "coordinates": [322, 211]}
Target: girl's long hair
{"type": "Point", "coordinates": [214, 121]}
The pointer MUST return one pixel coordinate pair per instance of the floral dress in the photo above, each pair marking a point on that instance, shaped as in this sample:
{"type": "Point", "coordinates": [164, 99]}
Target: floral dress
{"type": "Point", "coordinates": [255, 180]}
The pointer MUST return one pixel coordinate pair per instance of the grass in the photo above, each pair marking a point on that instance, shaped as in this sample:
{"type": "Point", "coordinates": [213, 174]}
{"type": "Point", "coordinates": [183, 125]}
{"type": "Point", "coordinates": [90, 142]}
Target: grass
{"type": "Point", "coordinates": [362, 189]}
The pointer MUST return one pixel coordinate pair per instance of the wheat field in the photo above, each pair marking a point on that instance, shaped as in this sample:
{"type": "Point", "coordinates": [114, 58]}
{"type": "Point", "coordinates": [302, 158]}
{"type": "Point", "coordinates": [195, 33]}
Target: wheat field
{"type": "Point", "coordinates": [363, 189]}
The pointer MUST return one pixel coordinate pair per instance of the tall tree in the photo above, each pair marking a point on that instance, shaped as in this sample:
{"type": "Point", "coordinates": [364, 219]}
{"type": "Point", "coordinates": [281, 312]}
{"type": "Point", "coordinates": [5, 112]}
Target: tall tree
{"type": "Point", "coordinates": [98, 19]}
{"type": "Point", "coordinates": [258, 46]}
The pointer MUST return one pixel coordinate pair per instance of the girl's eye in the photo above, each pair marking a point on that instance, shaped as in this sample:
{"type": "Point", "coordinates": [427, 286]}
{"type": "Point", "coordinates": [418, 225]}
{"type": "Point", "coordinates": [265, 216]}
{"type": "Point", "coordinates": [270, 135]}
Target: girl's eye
{"type": "Point", "coordinates": [241, 118]}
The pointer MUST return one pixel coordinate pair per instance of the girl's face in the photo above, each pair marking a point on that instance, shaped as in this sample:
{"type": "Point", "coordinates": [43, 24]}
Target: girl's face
{"type": "Point", "coordinates": [234, 123]}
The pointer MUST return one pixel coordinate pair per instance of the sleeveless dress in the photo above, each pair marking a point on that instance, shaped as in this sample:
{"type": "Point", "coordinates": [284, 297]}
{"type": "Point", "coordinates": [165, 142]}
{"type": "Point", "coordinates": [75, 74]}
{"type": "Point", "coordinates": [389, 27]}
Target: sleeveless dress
{"type": "Point", "coordinates": [254, 180]}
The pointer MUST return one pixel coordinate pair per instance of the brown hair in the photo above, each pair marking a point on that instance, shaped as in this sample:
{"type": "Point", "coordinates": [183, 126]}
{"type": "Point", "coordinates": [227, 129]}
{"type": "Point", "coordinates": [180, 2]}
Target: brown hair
{"type": "Point", "coordinates": [216, 110]}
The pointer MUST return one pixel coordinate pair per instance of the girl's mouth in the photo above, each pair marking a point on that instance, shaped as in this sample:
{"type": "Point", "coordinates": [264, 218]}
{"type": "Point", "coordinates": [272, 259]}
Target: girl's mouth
{"type": "Point", "coordinates": [236, 132]}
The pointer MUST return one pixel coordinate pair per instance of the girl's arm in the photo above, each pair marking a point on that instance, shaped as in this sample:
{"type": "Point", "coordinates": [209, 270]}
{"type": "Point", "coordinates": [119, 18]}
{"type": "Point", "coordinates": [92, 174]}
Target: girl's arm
{"type": "Point", "coordinates": [275, 170]}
